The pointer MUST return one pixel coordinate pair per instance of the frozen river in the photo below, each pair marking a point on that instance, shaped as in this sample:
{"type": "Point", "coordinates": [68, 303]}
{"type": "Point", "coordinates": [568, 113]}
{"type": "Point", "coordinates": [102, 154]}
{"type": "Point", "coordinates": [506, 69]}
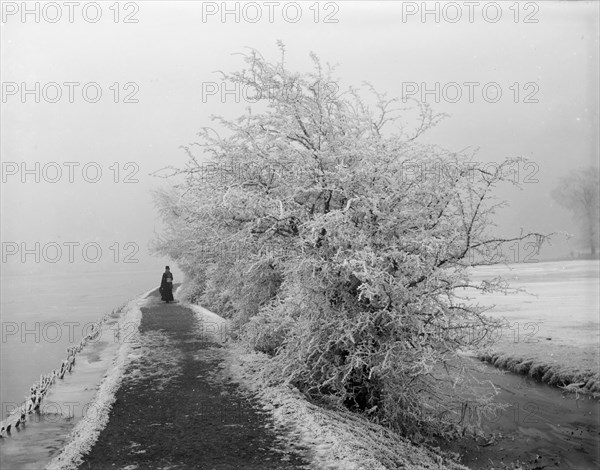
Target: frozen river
{"type": "Point", "coordinates": [43, 315]}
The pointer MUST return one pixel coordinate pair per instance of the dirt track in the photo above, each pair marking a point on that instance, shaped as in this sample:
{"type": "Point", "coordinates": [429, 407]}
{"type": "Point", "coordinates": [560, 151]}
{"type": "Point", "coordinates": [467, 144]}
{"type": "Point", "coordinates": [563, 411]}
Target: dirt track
{"type": "Point", "coordinates": [175, 411]}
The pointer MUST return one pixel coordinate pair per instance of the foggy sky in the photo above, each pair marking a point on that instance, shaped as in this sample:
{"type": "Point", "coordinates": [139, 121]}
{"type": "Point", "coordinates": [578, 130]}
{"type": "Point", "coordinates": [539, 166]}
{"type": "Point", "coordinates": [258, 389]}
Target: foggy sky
{"type": "Point", "coordinates": [171, 51]}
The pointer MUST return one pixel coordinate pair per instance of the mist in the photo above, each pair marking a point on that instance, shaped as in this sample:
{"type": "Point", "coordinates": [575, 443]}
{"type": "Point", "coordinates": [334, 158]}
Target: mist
{"type": "Point", "coordinates": [83, 199]}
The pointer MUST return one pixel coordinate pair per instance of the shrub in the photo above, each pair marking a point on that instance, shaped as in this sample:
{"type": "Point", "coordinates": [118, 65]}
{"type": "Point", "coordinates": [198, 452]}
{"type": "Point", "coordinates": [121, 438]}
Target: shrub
{"type": "Point", "coordinates": [361, 301]}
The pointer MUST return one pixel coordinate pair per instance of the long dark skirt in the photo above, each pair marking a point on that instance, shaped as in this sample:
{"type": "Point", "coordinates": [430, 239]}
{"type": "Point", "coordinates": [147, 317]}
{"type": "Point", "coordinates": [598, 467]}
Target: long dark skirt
{"type": "Point", "coordinates": [166, 291]}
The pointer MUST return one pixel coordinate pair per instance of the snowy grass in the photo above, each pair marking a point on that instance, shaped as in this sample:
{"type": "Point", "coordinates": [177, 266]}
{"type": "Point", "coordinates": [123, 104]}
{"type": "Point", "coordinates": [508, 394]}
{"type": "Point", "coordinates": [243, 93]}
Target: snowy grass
{"type": "Point", "coordinates": [337, 438]}
{"type": "Point", "coordinates": [211, 325]}
{"type": "Point", "coordinates": [571, 369]}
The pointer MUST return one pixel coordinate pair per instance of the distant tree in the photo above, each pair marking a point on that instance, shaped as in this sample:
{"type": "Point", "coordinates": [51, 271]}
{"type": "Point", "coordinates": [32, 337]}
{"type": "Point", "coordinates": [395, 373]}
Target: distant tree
{"type": "Point", "coordinates": [579, 193]}
{"type": "Point", "coordinates": [341, 246]}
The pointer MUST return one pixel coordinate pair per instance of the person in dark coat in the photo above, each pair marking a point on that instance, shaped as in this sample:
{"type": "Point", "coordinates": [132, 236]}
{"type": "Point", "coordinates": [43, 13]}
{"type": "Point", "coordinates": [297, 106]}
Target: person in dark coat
{"type": "Point", "coordinates": [166, 286]}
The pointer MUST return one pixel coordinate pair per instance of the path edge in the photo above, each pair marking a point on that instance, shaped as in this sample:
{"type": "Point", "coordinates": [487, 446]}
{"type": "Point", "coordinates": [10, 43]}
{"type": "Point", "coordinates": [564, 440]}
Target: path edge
{"type": "Point", "coordinates": [85, 433]}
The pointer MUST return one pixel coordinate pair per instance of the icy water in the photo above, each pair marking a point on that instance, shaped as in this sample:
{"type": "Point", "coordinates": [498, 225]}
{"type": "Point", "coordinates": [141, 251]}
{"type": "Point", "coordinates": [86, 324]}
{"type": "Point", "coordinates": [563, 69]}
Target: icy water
{"type": "Point", "coordinates": [68, 401]}
{"type": "Point", "coordinates": [41, 317]}
{"type": "Point", "coordinates": [543, 427]}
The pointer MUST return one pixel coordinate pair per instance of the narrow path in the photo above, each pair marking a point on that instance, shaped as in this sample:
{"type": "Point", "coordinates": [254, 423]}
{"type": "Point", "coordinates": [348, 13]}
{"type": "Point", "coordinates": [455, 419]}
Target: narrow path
{"type": "Point", "coordinates": [174, 410]}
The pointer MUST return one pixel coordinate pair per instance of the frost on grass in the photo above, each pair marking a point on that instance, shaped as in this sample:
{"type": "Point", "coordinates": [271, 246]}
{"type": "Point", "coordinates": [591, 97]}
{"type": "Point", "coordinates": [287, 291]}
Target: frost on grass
{"type": "Point", "coordinates": [565, 376]}
{"type": "Point", "coordinates": [338, 438]}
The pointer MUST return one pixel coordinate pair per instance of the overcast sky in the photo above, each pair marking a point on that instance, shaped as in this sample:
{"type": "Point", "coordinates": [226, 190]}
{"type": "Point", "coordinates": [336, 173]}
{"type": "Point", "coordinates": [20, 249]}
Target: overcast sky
{"type": "Point", "coordinates": [163, 59]}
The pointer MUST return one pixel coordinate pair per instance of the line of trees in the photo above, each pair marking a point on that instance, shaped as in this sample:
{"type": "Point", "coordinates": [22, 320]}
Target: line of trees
{"type": "Point", "coordinates": [360, 305]}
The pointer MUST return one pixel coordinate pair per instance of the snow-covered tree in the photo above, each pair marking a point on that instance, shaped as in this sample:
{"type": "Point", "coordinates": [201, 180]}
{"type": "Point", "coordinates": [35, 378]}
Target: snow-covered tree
{"type": "Point", "coordinates": [339, 244]}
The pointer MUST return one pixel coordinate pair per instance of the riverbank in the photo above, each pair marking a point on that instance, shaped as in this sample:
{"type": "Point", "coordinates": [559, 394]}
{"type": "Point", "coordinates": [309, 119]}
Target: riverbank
{"type": "Point", "coordinates": [541, 427]}
{"type": "Point", "coordinates": [187, 400]}
{"type": "Point", "coordinates": [180, 395]}
{"type": "Point", "coordinates": [338, 438]}
{"type": "Point", "coordinates": [566, 369]}
{"type": "Point", "coordinates": [66, 402]}
{"type": "Point", "coordinates": [41, 319]}
{"type": "Point", "coordinates": [171, 412]}
{"type": "Point", "coordinates": [170, 393]}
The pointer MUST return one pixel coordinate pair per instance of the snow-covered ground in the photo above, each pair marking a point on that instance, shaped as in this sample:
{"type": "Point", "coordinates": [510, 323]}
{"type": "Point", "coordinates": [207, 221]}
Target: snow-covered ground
{"type": "Point", "coordinates": [556, 323]}
{"type": "Point", "coordinates": [337, 439]}
{"type": "Point", "coordinates": [562, 304]}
